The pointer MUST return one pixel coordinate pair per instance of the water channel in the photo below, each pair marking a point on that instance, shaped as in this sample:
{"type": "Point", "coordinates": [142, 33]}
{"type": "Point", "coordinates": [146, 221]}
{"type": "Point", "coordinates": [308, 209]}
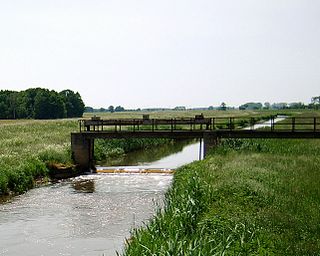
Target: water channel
{"type": "Point", "coordinates": [91, 214]}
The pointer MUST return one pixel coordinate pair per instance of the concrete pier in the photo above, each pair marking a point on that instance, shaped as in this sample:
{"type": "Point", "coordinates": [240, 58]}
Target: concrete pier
{"type": "Point", "coordinates": [82, 149]}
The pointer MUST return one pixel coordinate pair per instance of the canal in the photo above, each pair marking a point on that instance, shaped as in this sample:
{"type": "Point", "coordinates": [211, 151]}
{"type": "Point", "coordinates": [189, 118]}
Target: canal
{"type": "Point", "coordinates": [91, 214]}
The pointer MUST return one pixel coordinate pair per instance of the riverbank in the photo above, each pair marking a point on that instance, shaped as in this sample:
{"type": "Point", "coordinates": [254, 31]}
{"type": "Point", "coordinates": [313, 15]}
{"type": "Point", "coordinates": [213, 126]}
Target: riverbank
{"type": "Point", "coordinates": [30, 150]}
{"type": "Point", "coordinates": [248, 197]}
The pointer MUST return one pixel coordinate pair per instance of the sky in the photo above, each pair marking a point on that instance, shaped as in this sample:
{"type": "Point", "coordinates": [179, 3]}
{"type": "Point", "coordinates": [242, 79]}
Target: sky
{"type": "Point", "coordinates": [163, 53]}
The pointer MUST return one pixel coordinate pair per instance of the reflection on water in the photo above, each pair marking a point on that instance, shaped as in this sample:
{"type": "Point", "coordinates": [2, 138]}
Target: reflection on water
{"type": "Point", "coordinates": [266, 124]}
{"type": "Point", "coordinates": [164, 156]}
{"type": "Point", "coordinates": [146, 155]}
{"type": "Point", "coordinates": [84, 186]}
{"type": "Point", "coordinates": [58, 220]}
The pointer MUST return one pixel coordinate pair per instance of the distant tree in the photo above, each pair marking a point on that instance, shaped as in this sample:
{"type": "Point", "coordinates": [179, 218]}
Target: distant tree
{"type": "Point", "coordinates": [315, 102]}
{"type": "Point", "coordinates": [119, 109]}
{"type": "Point", "coordinates": [40, 103]}
{"type": "Point", "coordinates": [210, 108]}
{"type": "Point", "coordinates": [281, 105]}
{"type": "Point", "coordinates": [180, 108]}
{"type": "Point", "coordinates": [267, 105]}
{"type": "Point", "coordinates": [111, 109]}
{"type": "Point", "coordinates": [223, 106]}
{"type": "Point", "coordinates": [88, 109]}
{"type": "Point", "coordinates": [251, 106]}
{"type": "Point", "coordinates": [296, 105]}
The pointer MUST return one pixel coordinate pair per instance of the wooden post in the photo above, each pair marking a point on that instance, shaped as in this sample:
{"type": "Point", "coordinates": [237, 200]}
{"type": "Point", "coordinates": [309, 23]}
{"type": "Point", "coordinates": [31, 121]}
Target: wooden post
{"type": "Point", "coordinates": [293, 124]}
{"type": "Point", "coordinates": [314, 124]}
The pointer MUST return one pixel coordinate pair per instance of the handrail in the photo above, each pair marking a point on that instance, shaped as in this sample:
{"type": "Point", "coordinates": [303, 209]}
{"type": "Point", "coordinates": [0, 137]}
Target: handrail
{"type": "Point", "coordinates": [293, 124]}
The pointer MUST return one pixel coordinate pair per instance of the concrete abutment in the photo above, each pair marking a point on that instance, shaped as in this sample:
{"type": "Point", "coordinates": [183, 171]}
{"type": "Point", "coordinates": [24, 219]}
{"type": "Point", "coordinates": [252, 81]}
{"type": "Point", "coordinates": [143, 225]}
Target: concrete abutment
{"type": "Point", "coordinates": [82, 149]}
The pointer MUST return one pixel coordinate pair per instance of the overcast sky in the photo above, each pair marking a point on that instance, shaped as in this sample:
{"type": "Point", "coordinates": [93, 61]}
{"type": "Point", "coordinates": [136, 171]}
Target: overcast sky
{"type": "Point", "coordinates": [163, 53]}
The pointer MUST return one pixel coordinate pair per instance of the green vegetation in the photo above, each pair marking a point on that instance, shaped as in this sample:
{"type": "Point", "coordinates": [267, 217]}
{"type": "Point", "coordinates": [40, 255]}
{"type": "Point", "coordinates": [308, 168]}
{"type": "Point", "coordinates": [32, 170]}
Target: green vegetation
{"type": "Point", "coordinates": [27, 147]}
{"type": "Point", "coordinates": [40, 103]}
{"type": "Point", "coordinates": [117, 147]}
{"type": "Point", "coordinates": [249, 197]}
{"type": "Point", "coordinates": [189, 113]}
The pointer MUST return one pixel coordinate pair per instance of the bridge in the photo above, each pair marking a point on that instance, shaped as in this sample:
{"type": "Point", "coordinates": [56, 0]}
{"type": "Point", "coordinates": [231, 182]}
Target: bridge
{"type": "Point", "coordinates": [210, 130]}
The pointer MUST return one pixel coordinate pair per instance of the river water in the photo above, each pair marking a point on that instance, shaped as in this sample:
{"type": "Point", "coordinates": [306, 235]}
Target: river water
{"type": "Point", "coordinates": [91, 214]}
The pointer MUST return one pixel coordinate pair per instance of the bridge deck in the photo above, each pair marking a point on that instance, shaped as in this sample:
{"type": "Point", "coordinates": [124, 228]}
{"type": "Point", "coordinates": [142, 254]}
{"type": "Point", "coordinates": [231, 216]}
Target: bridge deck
{"type": "Point", "coordinates": [184, 134]}
{"type": "Point", "coordinates": [194, 127]}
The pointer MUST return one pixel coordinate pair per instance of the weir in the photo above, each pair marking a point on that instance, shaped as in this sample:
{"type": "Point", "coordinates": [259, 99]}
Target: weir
{"type": "Point", "coordinates": [210, 130]}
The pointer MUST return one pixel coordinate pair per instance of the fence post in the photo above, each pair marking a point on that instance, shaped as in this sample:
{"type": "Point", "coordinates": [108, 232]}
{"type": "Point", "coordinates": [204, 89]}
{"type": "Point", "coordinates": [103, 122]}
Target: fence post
{"type": "Point", "coordinates": [314, 124]}
{"type": "Point", "coordinates": [293, 123]}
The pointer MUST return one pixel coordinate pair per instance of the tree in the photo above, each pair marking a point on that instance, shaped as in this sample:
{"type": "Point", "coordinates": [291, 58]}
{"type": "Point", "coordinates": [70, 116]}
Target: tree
{"type": "Point", "coordinates": [119, 109]}
{"type": "Point", "coordinates": [223, 106]}
{"type": "Point", "coordinates": [251, 106]}
{"type": "Point", "coordinates": [315, 102]}
{"type": "Point", "coordinates": [73, 102]}
{"type": "Point", "coordinates": [267, 105]}
{"type": "Point", "coordinates": [49, 105]}
{"type": "Point", "coordinates": [111, 109]}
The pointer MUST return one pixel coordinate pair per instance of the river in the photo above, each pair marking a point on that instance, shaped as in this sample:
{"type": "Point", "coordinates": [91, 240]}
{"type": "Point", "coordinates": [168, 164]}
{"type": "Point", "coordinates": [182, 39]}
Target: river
{"type": "Point", "coordinates": [91, 214]}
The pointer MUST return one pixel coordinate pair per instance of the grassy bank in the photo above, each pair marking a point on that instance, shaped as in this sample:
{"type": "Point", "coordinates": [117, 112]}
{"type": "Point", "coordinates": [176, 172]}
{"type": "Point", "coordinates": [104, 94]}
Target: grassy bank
{"type": "Point", "coordinates": [249, 197]}
{"type": "Point", "coordinates": [27, 146]}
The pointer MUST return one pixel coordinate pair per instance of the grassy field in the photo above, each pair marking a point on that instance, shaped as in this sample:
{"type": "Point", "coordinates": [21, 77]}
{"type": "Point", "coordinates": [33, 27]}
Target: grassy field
{"type": "Point", "coordinates": [26, 146]}
{"type": "Point", "coordinates": [192, 113]}
{"type": "Point", "coordinates": [249, 197]}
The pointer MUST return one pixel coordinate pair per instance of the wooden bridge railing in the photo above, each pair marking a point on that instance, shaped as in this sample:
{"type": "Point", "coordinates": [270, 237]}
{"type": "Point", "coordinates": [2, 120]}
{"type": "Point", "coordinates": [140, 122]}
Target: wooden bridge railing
{"type": "Point", "coordinates": [272, 123]}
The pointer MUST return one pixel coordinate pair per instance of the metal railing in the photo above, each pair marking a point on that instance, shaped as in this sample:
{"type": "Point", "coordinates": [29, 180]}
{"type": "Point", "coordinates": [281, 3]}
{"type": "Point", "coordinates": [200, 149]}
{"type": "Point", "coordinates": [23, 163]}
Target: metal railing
{"type": "Point", "coordinates": [271, 123]}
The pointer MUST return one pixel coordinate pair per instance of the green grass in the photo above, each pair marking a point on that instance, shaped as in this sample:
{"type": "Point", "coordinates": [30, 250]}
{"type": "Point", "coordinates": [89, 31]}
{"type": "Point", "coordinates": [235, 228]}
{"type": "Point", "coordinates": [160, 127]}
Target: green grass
{"type": "Point", "coordinates": [192, 113]}
{"type": "Point", "coordinates": [249, 197]}
{"type": "Point", "coordinates": [27, 146]}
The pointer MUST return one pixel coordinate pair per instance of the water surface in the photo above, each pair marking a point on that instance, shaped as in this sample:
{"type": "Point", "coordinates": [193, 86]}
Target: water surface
{"type": "Point", "coordinates": [92, 214]}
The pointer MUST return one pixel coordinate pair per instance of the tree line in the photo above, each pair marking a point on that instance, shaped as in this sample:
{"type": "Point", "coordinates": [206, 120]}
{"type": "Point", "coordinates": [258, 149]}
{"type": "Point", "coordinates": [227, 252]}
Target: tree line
{"type": "Point", "coordinates": [315, 103]}
{"type": "Point", "coordinates": [39, 103]}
